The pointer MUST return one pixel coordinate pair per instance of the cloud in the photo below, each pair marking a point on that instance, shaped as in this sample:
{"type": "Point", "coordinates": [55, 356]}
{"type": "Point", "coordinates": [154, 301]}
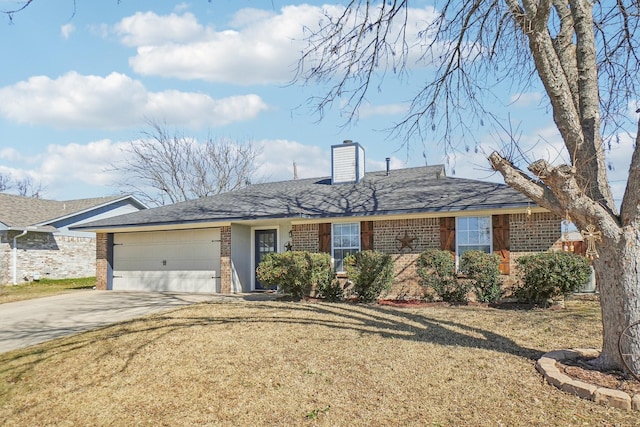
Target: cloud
{"type": "Point", "coordinates": [260, 47]}
{"type": "Point", "coordinates": [10, 154]}
{"type": "Point", "coordinates": [368, 110]}
{"type": "Point", "coordinates": [147, 29]}
{"type": "Point", "coordinates": [82, 170]}
{"type": "Point", "coordinates": [278, 156]}
{"type": "Point", "coordinates": [543, 143]}
{"type": "Point", "coordinates": [68, 171]}
{"type": "Point", "coordinates": [62, 165]}
{"type": "Point", "coordinates": [117, 101]}
{"type": "Point", "coordinates": [181, 7]}
{"type": "Point", "coordinates": [472, 164]}
{"type": "Point", "coordinates": [262, 50]}
{"type": "Point", "coordinates": [75, 170]}
{"type": "Point", "coordinates": [66, 30]}
{"type": "Point", "coordinates": [311, 161]}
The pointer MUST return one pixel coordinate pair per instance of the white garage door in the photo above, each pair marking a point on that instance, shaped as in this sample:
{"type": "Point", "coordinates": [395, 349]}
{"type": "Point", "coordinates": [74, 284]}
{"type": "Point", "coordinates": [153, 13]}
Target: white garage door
{"type": "Point", "coordinates": [177, 261]}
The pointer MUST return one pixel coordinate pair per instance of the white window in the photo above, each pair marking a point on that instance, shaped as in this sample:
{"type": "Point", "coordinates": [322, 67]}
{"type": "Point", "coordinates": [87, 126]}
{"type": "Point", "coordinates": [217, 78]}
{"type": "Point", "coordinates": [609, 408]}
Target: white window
{"type": "Point", "coordinates": [345, 241]}
{"type": "Point", "coordinates": [473, 233]}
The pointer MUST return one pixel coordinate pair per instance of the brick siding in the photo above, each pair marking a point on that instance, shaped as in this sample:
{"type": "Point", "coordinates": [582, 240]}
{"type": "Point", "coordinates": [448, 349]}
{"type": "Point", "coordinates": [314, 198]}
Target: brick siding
{"type": "Point", "coordinates": [425, 231]}
{"type": "Point", "coordinates": [52, 256]}
{"type": "Point", "coordinates": [305, 237]}
{"type": "Point", "coordinates": [102, 261]}
{"type": "Point", "coordinates": [386, 235]}
{"type": "Point", "coordinates": [540, 232]}
{"type": "Point", "coordinates": [537, 233]}
{"type": "Point", "coordinates": [225, 260]}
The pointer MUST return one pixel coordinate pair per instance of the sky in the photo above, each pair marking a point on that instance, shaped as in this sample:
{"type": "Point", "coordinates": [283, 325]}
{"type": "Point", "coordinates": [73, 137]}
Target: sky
{"type": "Point", "coordinates": [77, 85]}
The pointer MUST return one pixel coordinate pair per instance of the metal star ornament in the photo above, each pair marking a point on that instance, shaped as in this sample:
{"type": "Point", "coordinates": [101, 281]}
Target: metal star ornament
{"type": "Point", "coordinates": [405, 241]}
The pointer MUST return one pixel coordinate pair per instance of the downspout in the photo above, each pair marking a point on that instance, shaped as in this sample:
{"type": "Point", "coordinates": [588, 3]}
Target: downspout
{"type": "Point", "coordinates": [15, 256]}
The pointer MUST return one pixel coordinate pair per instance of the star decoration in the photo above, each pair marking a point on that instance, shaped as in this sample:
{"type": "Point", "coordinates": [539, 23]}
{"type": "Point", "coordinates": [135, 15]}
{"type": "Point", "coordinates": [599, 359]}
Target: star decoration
{"type": "Point", "coordinates": [288, 246]}
{"type": "Point", "coordinates": [405, 241]}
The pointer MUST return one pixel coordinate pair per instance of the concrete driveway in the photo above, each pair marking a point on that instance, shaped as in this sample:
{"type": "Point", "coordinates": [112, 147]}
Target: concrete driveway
{"type": "Point", "coordinates": [30, 322]}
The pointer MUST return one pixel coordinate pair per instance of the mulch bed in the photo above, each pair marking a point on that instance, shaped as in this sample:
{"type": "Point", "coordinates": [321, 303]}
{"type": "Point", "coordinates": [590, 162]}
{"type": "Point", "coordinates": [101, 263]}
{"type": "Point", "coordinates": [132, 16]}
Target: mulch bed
{"type": "Point", "coordinates": [581, 369]}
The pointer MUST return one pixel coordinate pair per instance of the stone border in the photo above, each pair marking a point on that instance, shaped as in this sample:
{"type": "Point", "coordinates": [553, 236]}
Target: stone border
{"type": "Point", "coordinates": [546, 365]}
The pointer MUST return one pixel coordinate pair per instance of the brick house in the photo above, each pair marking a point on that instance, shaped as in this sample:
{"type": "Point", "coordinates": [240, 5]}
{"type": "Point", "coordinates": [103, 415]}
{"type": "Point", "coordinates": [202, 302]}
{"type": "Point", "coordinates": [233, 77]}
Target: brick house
{"type": "Point", "coordinates": [214, 244]}
{"type": "Point", "coordinates": [36, 240]}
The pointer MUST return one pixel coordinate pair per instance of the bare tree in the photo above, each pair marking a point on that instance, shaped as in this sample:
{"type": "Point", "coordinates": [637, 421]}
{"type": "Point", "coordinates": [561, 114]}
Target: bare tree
{"type": "Point", "coordinates": [22, 187]}
{"type": "Point", "coordinates": [585, 55]}
{"type": "Point", "coordinates": [164, 167]}
{"type": "Point", "coordinates": [19, 8]}
{"type": "Point", "coordinates": [5, 182]}
{"type": "Point", "coordinates": [26, 187]}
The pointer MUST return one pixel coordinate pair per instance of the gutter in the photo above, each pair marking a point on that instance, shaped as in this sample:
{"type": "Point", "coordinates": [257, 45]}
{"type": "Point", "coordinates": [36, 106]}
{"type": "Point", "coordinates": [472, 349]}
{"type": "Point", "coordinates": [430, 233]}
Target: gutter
{"type": "Point", "coordinates": [24, 231]}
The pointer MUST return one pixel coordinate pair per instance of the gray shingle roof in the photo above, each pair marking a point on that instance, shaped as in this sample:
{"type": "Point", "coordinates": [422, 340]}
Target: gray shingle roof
{"type": "Point", "coordinates": [20, 211]}
{"type": "Point", "coordinates": [412, 190]}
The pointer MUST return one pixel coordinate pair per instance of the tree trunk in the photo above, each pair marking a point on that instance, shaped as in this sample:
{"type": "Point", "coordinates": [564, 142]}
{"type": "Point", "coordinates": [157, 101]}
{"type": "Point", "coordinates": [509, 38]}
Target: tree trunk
{"type": "Point", "coordinates": [618, 279]}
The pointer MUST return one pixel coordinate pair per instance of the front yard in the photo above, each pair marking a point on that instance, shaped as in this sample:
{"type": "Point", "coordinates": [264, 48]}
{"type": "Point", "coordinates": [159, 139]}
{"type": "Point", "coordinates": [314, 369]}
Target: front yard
{"type": "Point", "coordinates": [288, 363]}
{"type": "Point", "coordinates": [43, 288]}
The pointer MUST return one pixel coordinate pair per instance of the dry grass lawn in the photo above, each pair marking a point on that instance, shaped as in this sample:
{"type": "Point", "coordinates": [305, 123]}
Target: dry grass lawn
{"type": "Point", "coordinates": [43, 288]}
{"type": "Point", "coordinates": [299, 364]}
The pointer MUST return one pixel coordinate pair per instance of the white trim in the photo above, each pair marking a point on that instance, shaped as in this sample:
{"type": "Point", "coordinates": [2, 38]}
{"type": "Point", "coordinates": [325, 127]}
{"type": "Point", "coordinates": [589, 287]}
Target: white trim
{"type": "Point", "coordinates": [490, 217]}
{"type": "Point", "coordinates": [253, 248]}
{"type": "Point", "coordinates": [156, 227]}
{"type": "Point", "coordinates": [359, 248]}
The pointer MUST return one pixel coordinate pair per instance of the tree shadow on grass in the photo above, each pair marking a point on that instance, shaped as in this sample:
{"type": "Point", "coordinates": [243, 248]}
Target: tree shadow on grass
{"type": "Point", "coordinates": [366, 320]}
{"type": "Point", "coordinates": [393, 323]}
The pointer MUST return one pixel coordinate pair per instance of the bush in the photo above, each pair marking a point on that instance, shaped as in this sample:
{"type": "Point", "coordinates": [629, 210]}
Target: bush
{"type": "Point", "coordinates": [331, 290]}
{"type": "Point", "coordinates": [296, 272]}
{"type": "Point", "coordinates": [371, 273]}
{"type": "Point", "coordinates": [483, 270]}
{"type": "Point", "coordinates": [549, 275]}
{"type": "Point", "coordinates": [437, 271]}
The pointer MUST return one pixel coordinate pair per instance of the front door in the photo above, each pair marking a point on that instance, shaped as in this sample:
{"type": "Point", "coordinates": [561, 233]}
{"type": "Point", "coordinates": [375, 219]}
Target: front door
{"type": "Point", "coordinates": [266, 243]}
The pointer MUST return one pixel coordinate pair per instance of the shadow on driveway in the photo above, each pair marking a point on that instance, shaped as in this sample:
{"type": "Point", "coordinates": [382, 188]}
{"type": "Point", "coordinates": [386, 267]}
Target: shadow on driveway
{"type": "Point", "coordinates": [25, 323]}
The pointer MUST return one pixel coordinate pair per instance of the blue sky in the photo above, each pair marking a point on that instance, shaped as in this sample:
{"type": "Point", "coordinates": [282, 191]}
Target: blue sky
{"type": "Point", "coordinates": [75, 88]}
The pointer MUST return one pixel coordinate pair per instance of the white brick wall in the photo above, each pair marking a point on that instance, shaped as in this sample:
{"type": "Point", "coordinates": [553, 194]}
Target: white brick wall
{"type": "Point", "coordinates": [54, 257]}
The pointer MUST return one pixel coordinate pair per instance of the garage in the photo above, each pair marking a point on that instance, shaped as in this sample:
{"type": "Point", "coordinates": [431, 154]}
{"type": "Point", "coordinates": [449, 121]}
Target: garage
{"type": "Point", "coordinates": [175, 261]}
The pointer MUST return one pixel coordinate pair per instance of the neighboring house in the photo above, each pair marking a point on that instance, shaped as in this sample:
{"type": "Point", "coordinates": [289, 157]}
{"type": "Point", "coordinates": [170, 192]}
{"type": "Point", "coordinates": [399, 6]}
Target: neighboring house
{"type": "Point", "coordinates": [214, 244]}
{"type": "Point", "coordinates": [36, 240]}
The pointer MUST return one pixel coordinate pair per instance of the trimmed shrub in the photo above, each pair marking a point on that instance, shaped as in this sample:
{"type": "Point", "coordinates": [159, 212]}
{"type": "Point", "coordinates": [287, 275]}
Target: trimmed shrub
{"type": "Point", "coordinates": [483, 270]}
{"type": "Point", "coordinates": [549, 275]}
{"type": "Point", "coordinates": [371, 273]}
{"type": "Point", "coordinates": [437, 271]}
{"type": "Point", "coordinates": [296, 272]}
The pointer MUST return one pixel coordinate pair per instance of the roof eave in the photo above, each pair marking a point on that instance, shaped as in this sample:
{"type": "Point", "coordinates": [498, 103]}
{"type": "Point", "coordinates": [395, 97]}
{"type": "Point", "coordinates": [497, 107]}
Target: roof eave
{"type": "Point", "coordinates": [510, 207]}
{"type": "Point", "coordinates": [82, 211]}
{"type": "Point", "coordinates": [34, 228]}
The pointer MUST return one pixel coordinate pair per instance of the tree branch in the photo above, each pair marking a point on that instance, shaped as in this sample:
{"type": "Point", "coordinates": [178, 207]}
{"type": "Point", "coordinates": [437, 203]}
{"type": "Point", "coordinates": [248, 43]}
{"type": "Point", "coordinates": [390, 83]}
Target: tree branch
{"type": "Point", "coordinates": [518, 180]}
{"type": "Point", "coordinates": [560, 192]}
{"type": "Point", "coordinates": [564, 47]}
